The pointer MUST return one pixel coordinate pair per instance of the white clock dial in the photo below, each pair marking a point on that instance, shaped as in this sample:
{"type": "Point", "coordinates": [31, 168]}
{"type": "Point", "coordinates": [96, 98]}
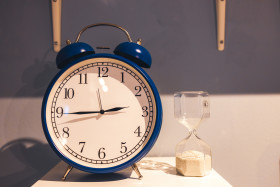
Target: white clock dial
{"type": "Point", "coordinates": [100, 113]}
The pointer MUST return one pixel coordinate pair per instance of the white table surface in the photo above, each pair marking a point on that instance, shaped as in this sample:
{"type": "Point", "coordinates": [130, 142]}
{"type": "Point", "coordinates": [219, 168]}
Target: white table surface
{"type": "Point", "coordinates": [156, 171]}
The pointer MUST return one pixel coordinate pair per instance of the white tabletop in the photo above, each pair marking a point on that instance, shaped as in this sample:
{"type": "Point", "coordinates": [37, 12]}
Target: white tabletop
{"type": "Point", "coordinates": [156, 171]}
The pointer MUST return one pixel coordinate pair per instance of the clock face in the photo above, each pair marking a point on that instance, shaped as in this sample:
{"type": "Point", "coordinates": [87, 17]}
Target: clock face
{"type": "Point", "coordinates": [100, 113]}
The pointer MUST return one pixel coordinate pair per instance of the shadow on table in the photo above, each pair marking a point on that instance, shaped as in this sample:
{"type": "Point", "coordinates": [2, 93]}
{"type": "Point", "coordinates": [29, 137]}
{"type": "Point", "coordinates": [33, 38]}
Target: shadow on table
{"type": "Point", "coordinates": [155, 165]}
{"type": "Point", "coordinates": [24, 161]}
{"type": "Point", "coordinates": [80, 176]}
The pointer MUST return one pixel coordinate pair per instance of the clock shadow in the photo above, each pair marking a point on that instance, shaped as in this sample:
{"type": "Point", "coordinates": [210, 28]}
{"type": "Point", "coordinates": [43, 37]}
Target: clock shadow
{"type": "Point", "coordinates": [80, 176]}
{"type": "Point", "coordinates": [103, 177]}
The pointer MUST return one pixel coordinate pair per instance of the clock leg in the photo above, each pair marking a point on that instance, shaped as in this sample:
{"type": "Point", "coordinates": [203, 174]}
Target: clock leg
{"type": "Point", "coordinates": [135, 168]}
{"type": "Point", "coordinates": [69, 168]}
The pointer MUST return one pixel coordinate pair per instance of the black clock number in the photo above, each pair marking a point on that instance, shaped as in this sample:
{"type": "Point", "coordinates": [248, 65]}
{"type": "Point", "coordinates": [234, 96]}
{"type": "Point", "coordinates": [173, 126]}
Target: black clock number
{"type": "Point", "coordinates": [138, 89]}
{"type": "Point", "coordinates": [83, 145]}
{"type": "Point", "coordinates": [123, 147]}
{"type": "Point", "coordinates": [102, 72]}
{"type": "Point", "coordinates": [69, 93]}
{"type": "Point", "coordinates": [59, 111]}
{"type": "Point", "coordinates": [145, 111]}
{"type": "Point", "coordinates": [83, 79]}
{"type": "Point", "coordinates": [101, 153]}
{"type": "Point", "coordinates": [137, 131]}
{"type": "Point", "coordinates": [65, 133]}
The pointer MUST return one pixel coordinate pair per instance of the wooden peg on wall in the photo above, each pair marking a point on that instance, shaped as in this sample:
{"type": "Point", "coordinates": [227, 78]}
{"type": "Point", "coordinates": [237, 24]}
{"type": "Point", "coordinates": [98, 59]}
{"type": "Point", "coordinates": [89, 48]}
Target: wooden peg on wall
{"type": "Point", "coordinates": [56, 19]}
{"type": "Point", "coordinates": [221, 22]}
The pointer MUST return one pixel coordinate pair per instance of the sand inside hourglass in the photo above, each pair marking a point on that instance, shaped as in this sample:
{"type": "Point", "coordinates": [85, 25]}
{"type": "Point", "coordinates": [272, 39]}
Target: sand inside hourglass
{"type": "Point", "coordinates": [193, 163]}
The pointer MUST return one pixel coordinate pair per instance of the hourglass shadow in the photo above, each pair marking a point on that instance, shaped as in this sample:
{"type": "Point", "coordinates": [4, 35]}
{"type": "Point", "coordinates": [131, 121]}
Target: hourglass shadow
{"type": "Point", "coordinates": [155, 165]}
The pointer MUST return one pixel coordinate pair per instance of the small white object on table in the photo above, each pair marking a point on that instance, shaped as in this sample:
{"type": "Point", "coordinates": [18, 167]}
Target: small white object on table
{"type": "Point", "coordinates": [156, 171]}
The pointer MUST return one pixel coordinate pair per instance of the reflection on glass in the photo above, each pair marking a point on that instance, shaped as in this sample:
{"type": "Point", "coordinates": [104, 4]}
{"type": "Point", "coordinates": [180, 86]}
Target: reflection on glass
{"type": "Point", "coordinates": [103, 85]}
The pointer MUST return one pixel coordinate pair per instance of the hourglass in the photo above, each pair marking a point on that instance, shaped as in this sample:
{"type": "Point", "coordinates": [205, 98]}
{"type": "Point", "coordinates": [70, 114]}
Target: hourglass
{"type": "Point", "coordinates": [193, 155]}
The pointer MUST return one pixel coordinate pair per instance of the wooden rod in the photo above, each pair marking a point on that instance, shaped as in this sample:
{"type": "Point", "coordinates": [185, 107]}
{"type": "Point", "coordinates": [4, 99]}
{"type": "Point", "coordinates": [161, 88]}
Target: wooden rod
{"type": "Point", "coordinates": [221, 22]}
{"type": "Point", "coordinates": [56, 19]}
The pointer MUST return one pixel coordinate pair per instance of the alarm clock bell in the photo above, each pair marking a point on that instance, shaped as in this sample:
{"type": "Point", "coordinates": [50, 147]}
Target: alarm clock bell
{"type": "Point", "coordinates": [129, 50]}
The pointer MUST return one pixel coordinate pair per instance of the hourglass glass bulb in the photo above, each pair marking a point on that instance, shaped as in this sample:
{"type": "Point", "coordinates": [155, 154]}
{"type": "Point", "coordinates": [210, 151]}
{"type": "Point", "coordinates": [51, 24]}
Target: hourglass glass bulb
{"type": "Point", "coordinates": [193, 155]}
{"type": "Point", "coordinates": [190, 108]}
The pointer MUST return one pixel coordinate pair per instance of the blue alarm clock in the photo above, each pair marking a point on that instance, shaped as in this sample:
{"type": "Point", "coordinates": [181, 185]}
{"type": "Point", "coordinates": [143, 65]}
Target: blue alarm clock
{"type": "Point", "coordinates": [102, 112]}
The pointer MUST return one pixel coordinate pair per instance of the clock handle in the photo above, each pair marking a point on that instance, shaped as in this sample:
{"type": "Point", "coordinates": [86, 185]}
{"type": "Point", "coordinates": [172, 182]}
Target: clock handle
{"type": "Point", "coordinates": [129, 50]}
{"type": "Point", "coordinates": [104, 24]}
{"type": "Point", "coordinates": [135, 168]}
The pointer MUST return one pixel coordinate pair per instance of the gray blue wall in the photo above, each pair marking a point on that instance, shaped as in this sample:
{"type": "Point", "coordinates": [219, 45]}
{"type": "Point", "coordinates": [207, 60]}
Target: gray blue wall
{"type": "Point", "coordinates": [180, 35]}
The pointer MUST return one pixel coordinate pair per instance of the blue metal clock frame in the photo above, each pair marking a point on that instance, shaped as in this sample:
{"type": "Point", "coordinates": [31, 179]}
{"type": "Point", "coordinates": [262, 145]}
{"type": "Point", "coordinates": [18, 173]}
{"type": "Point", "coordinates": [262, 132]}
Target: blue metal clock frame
{"type": "Point", "coordinates": [150, 142]}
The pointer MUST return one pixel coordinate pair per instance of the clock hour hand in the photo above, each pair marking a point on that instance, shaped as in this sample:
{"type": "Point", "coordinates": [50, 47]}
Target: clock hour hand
{"type": "Point", "coordinates": [115, 109]}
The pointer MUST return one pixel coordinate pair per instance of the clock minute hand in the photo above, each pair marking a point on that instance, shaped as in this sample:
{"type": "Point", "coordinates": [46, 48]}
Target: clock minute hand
{"type": "Point", "coordinates": [84, 112]}
{"type": "Point", "coordinates": [115, 109]}
{"type": "Point", "coordinates": [94, 112]}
